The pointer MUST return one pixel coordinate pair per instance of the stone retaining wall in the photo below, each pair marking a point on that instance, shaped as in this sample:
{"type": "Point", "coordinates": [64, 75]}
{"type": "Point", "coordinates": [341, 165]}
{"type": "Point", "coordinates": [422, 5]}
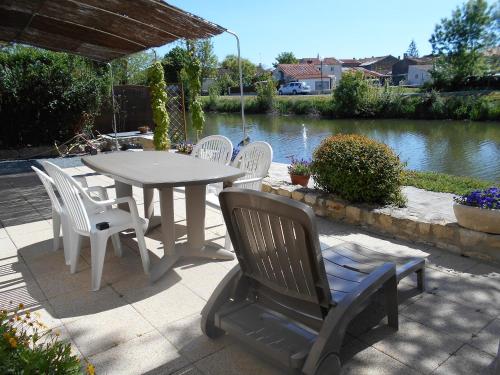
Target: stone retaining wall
{"type": "Point", "coordinates": [393, 222]}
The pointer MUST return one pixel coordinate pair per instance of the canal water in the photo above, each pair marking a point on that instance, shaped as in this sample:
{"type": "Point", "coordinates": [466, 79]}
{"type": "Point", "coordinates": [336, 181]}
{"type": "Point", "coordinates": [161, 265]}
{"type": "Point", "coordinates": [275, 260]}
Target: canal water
{"type": "Point", "coordinates": [454, 147]}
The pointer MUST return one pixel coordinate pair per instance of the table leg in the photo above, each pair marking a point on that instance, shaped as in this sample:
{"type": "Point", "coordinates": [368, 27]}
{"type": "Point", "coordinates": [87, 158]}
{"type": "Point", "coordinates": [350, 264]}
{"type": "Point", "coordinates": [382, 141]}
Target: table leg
{"type": "Point", "coordinates": [153, 221]}
{"type": "Point", "coordinates": [123, 190]}
{"type": "Point", "coordinates": [170, 255]}
{"type": "Point", "coordinates": [195, 217]}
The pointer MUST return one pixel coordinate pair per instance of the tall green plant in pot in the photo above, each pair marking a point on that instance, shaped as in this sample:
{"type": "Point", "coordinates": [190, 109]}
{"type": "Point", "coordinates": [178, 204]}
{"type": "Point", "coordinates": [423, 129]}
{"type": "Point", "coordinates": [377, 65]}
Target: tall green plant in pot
{"type": "Point", "coordinates": [158, 105]}
{"type": "Point", "coordinates": [192, 72]}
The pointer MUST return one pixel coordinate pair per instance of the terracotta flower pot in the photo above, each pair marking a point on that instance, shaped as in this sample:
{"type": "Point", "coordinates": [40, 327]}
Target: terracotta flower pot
{"type": "Point", "coordinates": [300, 180]}
{"type": "Point", "coordinates": [479, 219]}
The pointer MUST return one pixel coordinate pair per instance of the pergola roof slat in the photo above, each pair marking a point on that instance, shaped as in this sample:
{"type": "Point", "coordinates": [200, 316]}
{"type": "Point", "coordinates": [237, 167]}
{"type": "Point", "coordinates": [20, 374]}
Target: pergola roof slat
{"type": "Point", "coordinates": [102, 30]}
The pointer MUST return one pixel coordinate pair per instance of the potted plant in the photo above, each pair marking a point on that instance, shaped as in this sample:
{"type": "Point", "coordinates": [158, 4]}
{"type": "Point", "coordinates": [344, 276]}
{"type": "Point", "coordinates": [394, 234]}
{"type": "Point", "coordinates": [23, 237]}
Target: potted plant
{"type": "Point", "coordinates": [300, 171]}
{"type": "Point", "coordinates": [143, 129]}
{"type": "Point", "coordinates": [184, 148]}
{"type": "Point", "coordinates": [479, 210]}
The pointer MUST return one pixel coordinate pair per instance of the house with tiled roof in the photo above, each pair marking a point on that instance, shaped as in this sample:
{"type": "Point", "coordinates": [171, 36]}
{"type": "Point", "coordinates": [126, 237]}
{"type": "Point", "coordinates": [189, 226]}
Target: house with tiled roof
{"type": "Point", "coordinates": [330, 66]}
{"type": "Point", "coordinates": [307, 73]}
{"type": "Point", "coordinates": [379, 64]}
{"type": "Point", "coordinates": [400, 70]}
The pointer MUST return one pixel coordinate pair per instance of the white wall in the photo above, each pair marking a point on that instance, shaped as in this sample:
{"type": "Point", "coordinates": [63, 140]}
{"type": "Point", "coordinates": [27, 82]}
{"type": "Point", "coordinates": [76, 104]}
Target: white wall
{"type": "Point", "coordinates": [332, 70]}
{"type": "Point", "coordinates": [418, 75]}
{"type": "Point", "coordinates": [312, 82]}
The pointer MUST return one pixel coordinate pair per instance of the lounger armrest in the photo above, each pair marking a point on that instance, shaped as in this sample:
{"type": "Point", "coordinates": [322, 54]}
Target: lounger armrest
{"type": "Point", "coordinates": [332, 332]}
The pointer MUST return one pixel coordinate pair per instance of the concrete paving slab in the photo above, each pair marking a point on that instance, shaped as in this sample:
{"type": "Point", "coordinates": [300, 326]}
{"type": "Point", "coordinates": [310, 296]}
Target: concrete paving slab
{"type": "Point", "coordinates": [488, 338]}
{"type": "Point", "coordinates": [466, 361]}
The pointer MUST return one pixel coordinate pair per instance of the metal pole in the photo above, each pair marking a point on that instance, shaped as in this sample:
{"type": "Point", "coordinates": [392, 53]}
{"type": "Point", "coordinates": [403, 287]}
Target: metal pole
{"type": "Point", "coordinates": [113, 105]}
{"type": "Point", "coordinates": [241, 85]}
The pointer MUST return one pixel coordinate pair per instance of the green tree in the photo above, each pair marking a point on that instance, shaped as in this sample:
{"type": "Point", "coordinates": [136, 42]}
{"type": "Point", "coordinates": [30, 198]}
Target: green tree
{"type": "Point", "coordinates": [351, 94]}
{"type": "Point", "coordinates": [132, 70]}
{"type": "Point", "coordinates": [204, 51]}
{"type": "Point", "coordinates": [285, 58]}
{"type": "Point", "coordinates": [412, 50]}
{"type": "Point", "coordinates": [192, 72]}
{"type": "Point", "coordinates": [173, 62]}
{"type": "Point", "coordinates": [460, 43]}
{"type": "Point", "coordinates": [158, 105]}
{"type": "Point", "coordinates": [248, 69]}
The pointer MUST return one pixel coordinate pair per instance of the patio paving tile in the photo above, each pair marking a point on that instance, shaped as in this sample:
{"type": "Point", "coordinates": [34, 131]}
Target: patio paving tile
{"type": "Point", "coordinates": [417, 346]}
{"type": "Point", "coordinates": [235, 359]}
{"type": "Point", "coordinates": [8, 248]}
{"type": "Point", "coordinates": [487, 339]}
{"type": "Point", "coordinates": [186, 335]}
{"type": "Point", "coordinates": [55, 284]}
{"type": "Point", "coordinates": [13, 293]}
{"type": "Point", "coordinates": [361, 359]}
{"type": "Point", "coordinates": [84, 303]}
{"type": "Point", "coordinates": [456, 319]}
{"type": "Point", "coordinates": [150, 353]}
{"type": "Point", "coordinates": [19, 231]}
{"type": "Point", "coordinates": [106, 329]}
{"type": "Point", "coordinates": [467, 361]}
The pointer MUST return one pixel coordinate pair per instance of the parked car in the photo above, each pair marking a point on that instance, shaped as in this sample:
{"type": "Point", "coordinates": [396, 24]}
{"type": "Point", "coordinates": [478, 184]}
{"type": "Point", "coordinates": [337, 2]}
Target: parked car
{"type": "Point", "coordinates": [294, 88]}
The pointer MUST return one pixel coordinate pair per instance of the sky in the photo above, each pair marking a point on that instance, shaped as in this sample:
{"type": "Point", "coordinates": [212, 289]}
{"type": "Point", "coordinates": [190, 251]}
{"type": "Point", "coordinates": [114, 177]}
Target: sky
{"type": "Point", "coordinates": [330, 28]}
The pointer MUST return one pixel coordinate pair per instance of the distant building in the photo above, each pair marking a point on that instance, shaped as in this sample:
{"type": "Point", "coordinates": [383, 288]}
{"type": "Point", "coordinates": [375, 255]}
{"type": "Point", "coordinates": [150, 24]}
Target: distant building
{"type": "Point", "coordinates": [375, 77]}
{"type": "Point", "coordinates": [307, 73]}
{"type": "Point", "coordinates": [331, 67]}
{"type": "Point", "coordinates": [379, 64]}
{"type": "Point", "coordinates": [419, 74]}
{"type": "Point", "coordinates": [400, 68]}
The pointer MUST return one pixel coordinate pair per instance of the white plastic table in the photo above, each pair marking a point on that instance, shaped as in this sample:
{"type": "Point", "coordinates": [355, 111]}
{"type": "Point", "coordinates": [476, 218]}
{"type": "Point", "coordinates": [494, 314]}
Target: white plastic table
{"type": "Point", "coordinates": [163, 171]}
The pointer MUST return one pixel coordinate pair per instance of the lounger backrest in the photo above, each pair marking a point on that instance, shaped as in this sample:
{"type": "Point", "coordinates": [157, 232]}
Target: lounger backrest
{"type": "Point", "coordinates": [70, 192]}
{"type": "Point", "coordinates": [277, 245]}
{"type": "Point", "coordinates": [216, 148]}
{"type": "Point", "coordinates": [48, 183]}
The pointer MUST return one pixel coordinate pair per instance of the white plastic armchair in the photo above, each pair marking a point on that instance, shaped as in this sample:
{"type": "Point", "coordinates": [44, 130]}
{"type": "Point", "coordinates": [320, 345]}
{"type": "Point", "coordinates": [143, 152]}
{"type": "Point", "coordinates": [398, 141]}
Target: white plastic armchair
{"type": "Point", "coordinates": [84, 213]}
{"type": "Point", "coordinates": [216, 148]}
{"type": "Point", "coordinates": [254, 159]}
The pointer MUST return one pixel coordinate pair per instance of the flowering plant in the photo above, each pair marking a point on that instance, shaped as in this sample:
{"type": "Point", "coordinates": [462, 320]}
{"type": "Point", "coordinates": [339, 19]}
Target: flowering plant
{"type": "Point", "coordinates": [489, 198]}
{"type": "Point", "coordinates": [299, 167]}
{"type": "Point", "coordinates": [28, 347]}
{"type": "Point", "coordinates": [185, 148]}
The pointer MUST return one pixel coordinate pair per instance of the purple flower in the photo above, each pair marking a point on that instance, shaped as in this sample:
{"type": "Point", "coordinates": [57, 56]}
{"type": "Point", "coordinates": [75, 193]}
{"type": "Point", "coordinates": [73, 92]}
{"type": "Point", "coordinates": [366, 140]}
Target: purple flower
{"type": "Point", "coordinates": [488, 198]}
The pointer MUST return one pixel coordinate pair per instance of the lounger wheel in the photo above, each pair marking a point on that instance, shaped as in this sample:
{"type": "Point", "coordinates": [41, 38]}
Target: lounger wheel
{"type": "Point", "coordinates": [329, 365]}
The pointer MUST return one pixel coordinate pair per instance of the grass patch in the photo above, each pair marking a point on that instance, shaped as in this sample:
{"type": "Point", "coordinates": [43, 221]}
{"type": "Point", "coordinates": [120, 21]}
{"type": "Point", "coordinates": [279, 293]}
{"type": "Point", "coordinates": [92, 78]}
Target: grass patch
{"type": "Point", "coordinates": [444, 183]}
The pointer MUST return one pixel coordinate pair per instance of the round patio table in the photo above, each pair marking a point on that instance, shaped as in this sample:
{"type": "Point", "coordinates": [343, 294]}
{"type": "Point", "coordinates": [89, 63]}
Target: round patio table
{"type": "Point", "coordinates": [163, 171]}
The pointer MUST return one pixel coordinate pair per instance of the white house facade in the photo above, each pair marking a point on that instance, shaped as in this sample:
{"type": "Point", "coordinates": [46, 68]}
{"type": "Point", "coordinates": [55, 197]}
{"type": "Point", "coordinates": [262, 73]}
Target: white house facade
{"type": "Point", "coordinates": [419, 74]}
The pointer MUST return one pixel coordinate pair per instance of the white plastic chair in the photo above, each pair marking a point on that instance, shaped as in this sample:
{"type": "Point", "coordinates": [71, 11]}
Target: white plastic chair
{"type": "Point", "coordinates": [216, 148]}
{"type": "Point", "coordinates": [255, 160]}
{"type": "Point", "coordinates": [59, 217]}
{"type": "Point", "coordinates": [84, 213]}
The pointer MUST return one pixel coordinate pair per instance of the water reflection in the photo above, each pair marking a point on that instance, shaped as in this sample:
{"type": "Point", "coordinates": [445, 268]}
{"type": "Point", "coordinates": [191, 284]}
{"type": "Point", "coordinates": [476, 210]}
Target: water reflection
{"type": "Point", "coordinates": [455, 147]}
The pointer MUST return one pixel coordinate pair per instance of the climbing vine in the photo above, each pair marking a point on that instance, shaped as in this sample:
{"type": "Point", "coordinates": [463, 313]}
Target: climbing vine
{"type": "Point", "coordinates": [158, 105]}
{"type": "Point", "coordinates": [193, 74]}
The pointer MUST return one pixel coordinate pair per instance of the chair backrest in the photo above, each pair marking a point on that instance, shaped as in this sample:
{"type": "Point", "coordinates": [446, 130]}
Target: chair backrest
{"type": "Point", "coordinates": [71, 194]}
{"type": "Point", "coordinates": [48, 183]}
{"type": "Point", "coordinates": [255, 159]}
{"type": "Point", "coordinates": [277, 245]}
{"type": "Point", "coordinates": [216, 148]}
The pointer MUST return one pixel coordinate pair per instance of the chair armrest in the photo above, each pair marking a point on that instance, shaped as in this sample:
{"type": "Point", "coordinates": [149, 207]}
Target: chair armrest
{"type": "Point", "coordinates": [247, 181]}
{"type": "Point", "coordinates": [101, 192]}
{"type": "Point", "coordinates": [81, 179]}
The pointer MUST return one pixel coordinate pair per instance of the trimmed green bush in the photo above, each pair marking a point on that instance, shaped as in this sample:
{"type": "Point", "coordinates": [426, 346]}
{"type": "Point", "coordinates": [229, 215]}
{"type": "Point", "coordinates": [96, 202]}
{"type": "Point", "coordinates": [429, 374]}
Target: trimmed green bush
{"type": "Point", "coordinates": [358, 169]}
{"type": "Point", "coordinates": [158, 106]}
{"type": "Point", "coordinates": [47, 96]}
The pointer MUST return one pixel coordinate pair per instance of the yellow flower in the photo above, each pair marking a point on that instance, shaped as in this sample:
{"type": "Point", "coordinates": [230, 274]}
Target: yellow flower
{"type": "Point", "coordinates": [90, 369]}
{"type": "Point", "coordinates": [18, 318]}
{"type": "Point", "coordinates": [13, 342]}
{"type": "Point", "coordinates": [21, 306]}
{"type": "Point", "coordinates": [6, 336]}
{"type": "Point", "coordinates": [28, 315]}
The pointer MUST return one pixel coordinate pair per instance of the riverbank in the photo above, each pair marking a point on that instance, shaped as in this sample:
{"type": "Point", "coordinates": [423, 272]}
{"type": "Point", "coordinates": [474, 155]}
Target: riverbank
{"type": "Point", "coordinates": [476, 106]}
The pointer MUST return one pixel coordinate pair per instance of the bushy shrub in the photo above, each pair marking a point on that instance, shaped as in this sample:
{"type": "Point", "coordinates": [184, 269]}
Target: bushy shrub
{"type": "Point", "coordinates": [47, 96]}
{"type": "Point", "coordinates": [266, 94]}
{"type": "Point", "coordinates": [159, 106]}
{"type": "Point", "coordinates": [358, 169]}
{"type": "Point", "coordinates": [351, 95]}
{"type": "Point", "coordinates": [26, 347]}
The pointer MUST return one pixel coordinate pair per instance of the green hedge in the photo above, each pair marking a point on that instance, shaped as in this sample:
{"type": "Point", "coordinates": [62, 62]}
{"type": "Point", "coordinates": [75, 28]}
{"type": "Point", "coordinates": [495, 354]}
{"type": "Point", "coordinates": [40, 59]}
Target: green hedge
{"type": "Point", "coordinates": [47, 96]}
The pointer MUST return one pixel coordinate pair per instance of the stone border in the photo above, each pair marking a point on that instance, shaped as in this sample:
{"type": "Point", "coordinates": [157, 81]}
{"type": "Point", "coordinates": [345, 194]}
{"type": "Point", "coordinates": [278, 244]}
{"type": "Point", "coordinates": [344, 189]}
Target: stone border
{"type": "Point", "coordinates": [448, 236]}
